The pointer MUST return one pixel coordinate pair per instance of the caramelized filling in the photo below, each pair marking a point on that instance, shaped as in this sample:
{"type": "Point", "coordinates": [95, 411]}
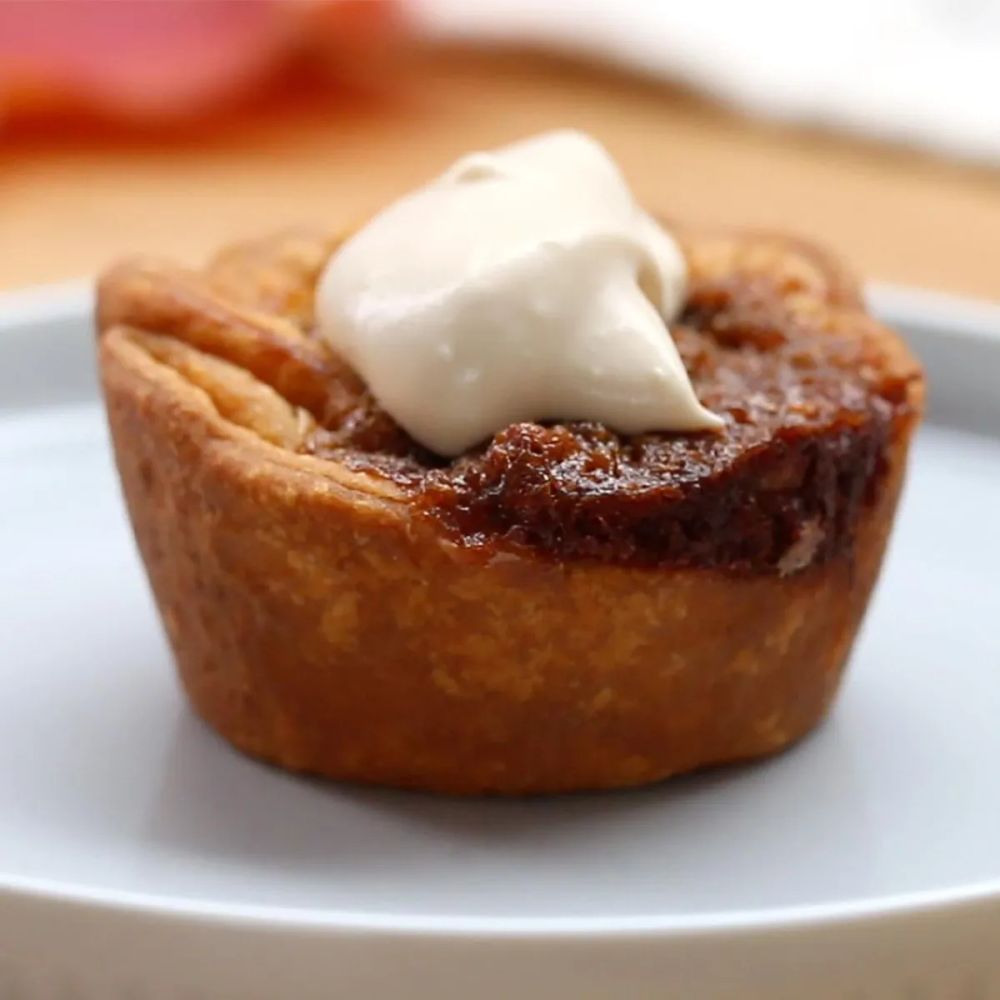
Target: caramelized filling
{"type": "Point", "coordinates": [809, 415]}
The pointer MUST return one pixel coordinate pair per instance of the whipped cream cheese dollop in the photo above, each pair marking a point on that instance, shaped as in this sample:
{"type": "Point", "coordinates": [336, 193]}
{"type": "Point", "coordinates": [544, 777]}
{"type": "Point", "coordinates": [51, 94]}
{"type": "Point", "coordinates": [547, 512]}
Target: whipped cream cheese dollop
{"type": "Point", "coordinates": [524, 284]}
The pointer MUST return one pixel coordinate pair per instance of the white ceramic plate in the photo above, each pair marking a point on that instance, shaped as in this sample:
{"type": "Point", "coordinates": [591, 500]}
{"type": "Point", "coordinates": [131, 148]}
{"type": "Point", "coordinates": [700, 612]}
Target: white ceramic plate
{"type": "Point", "coordinates": [141, 857]}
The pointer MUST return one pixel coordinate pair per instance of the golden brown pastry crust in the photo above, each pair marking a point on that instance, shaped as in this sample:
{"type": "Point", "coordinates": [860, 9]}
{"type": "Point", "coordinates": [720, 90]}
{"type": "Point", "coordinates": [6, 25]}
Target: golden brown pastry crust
{"type": "Point", "coordinates": [318, 625]}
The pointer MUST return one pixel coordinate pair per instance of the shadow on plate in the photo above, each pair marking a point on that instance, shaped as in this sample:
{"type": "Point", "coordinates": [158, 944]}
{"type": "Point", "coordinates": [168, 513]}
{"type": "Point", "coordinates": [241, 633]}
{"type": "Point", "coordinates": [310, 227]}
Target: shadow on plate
{"type": "Point", "coordinates": [214, 801]}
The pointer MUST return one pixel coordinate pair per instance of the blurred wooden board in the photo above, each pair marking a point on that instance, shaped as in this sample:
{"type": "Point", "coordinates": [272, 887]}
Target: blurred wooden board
{"type": "Point", "coordinates": [68, 205]}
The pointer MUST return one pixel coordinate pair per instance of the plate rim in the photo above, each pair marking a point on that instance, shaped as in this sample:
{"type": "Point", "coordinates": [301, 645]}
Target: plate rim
{"type": "Point", "coordinates": [954, 316]}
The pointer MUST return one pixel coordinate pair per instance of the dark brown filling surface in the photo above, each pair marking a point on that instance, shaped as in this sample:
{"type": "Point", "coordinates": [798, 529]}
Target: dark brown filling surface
{"type": "Point", "coordinates": [810, 410]}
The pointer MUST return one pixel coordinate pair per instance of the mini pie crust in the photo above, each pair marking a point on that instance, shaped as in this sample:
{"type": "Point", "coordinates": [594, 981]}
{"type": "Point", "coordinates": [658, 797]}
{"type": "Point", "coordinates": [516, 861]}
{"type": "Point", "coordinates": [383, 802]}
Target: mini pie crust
{"type": "Point", "coordinates": [317, 624]}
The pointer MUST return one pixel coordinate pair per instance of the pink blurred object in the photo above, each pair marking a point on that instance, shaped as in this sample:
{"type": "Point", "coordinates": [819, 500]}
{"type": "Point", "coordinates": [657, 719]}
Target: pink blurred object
{"type": "Point", "coordinates": [143, 59]}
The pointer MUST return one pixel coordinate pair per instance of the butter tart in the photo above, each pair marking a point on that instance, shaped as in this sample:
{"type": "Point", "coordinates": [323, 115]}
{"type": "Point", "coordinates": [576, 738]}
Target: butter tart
{"type": "Point", "coordinates": [561, 607]}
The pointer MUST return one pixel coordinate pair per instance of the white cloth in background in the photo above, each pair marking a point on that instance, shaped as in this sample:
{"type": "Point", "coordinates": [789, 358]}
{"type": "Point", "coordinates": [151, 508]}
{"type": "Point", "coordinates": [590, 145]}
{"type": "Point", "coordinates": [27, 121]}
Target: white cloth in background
{"type": "Point", "coordinates": [921, 72]}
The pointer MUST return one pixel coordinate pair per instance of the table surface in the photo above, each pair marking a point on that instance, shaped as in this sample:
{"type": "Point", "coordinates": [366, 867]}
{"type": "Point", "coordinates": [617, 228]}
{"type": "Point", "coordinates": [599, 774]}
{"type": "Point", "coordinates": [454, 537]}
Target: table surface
{"type": "Point", "coordinates": [68, 204]}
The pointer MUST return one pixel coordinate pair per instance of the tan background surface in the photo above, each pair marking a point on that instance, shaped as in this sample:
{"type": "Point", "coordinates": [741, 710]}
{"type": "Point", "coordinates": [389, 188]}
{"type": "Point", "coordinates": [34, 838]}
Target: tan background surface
{"type": "Point", "coordinates": [67, 206]}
